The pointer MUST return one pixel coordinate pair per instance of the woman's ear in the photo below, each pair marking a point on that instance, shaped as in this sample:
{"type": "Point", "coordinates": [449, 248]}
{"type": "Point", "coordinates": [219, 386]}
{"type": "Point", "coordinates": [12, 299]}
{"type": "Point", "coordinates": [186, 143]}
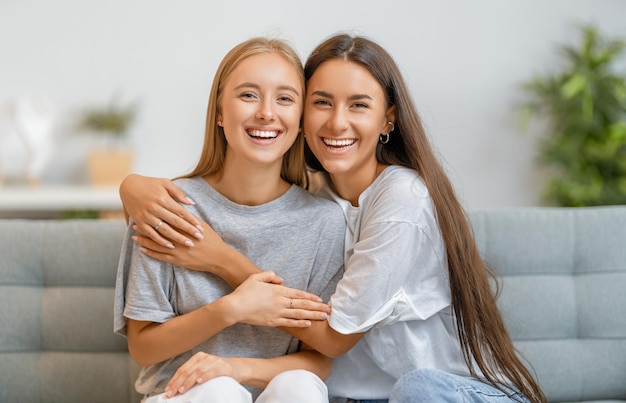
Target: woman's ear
{"type": "Point", "coordinates": [390, 114]}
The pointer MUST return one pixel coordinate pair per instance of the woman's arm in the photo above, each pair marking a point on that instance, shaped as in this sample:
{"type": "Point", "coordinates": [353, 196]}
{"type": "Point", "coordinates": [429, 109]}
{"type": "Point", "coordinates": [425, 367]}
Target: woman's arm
{"type": "Point", "coordinates": [150, 201]}
{"type": "Point", "coordinates": [212, 254]}
{"type": "Point", "coordinates": [209, 254]}
{"type": "Point", "coordinates": [260, 300]}
{"type": "Point", "coordinates": [324, 338]}
{"type": "Point", "coordinates": [257, 372]}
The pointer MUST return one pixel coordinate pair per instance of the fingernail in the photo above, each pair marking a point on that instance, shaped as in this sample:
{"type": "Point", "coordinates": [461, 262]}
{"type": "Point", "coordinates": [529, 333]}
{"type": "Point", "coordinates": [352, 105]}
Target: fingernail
{"type": "Point", "coordinates": [181, 390]}
{"type": "Point", "coordinates": [134, 238]}
{"type": "Point", "coordinates": [200, 228]}
{"type": "Point", "coordinates": [199, 235]}
{"type": "Point", "coordinates": [169, 245]}
{"type": "Point", "coordinates": [189, 243]}
{"type": "Point", "coordinates": [199, 380]}
{"type": "Point", "coordinates": [168, 393]}
{"type": "Point", "coordinates": [190, 201]}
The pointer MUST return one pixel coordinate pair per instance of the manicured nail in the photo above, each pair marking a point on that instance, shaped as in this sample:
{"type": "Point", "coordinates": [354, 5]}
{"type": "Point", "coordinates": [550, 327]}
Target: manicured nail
{"type": "Point", "coordinates": [181, 390]}
{"type": "Point", "coordinates": [189, 243]}
{"type": "Point", "coordinates": [190, 201]}
{"type": "Point", "coordinates": [168, 393]}
{"type": "Point", "coordinates": [169, 245]}
{"type": "Point", "coordinates": [134, 238]}
{"type": "Point", "coordinates": [199, 235]}
{"type": "Point", "coordinates": [200, 228]}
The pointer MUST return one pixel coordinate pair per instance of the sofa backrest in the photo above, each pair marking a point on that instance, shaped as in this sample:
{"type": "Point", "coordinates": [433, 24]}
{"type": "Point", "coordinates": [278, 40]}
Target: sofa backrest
{"type": "Point", "coordinates": [563, 299]}
{"type": "Point", "coordinates": [56, 317]}
{"type": "Point", "coordinates": [563, 294]}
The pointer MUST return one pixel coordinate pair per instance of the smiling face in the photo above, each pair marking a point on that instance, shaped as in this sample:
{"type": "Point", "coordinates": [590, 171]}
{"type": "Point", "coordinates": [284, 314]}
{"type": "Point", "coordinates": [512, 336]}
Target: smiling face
{"type": "Point", "coordinates": [261, 105]}
{"type": "Point", "coordinates": [345, 113]}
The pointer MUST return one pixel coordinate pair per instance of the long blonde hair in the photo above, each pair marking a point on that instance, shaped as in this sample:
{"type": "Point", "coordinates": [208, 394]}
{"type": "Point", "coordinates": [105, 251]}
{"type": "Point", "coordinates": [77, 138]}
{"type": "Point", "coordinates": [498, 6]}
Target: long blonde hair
{"type": "Point", "coordinates": [214, 148]}
{"type": "Point", "coordinates": [483, 336]}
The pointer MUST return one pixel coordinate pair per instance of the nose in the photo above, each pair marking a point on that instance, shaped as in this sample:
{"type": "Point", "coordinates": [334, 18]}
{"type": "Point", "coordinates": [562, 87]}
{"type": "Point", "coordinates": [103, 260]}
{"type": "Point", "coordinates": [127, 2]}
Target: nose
{"type": "Point", "coordinates": [337, 122]}
{"type": "Point", "coordinates": [266, 111]}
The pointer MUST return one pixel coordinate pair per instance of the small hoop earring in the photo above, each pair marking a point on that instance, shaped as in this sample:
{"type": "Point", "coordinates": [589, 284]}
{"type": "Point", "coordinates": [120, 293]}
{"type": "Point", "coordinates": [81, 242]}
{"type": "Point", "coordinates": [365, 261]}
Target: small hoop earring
{"type": "Point", "coordinates": [384, 138]}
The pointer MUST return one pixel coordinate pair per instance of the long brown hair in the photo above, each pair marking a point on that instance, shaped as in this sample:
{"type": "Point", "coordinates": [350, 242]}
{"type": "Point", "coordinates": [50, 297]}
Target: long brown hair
{"type": "Point", "coordinates": [480, 327]}
{"type": "Point", "coordinates": [214, 149]}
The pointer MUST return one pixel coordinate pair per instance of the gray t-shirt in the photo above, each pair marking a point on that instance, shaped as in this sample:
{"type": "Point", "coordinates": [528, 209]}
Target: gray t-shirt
{"type": "Point", "coordinates": [298, 235]}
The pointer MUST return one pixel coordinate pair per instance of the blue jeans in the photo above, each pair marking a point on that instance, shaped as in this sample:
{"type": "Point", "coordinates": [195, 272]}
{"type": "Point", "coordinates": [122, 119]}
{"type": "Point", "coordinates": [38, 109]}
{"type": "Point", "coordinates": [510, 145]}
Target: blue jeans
{"type": "Point", "coordinates": [427, 385]}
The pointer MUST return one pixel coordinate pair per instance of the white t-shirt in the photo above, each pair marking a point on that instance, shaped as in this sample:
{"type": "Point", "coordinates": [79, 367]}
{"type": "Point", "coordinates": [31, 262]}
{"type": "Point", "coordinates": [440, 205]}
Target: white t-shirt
{"type": "Point", "coordinates": [395, 288]}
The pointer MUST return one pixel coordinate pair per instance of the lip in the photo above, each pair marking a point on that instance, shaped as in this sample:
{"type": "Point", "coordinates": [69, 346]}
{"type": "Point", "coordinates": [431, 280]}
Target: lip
{"type": "Point", "coordinates": [338, 145]}
{"type": "Point", "coordinates": [263, 135]}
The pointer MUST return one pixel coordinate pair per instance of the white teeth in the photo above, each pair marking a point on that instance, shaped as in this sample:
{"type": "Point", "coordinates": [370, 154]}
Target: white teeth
{"type": "Point", "coordinates": [339, 143]}
{"type": "Point", "coordinates": [263, 134]}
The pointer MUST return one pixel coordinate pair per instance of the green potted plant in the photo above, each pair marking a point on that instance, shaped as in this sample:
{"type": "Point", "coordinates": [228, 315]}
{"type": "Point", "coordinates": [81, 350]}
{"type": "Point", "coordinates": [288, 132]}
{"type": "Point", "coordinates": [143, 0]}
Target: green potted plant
{"type": "Point", "coordinates": [111, 159]}
{"type": "Point", "coordinates": [585, 108]}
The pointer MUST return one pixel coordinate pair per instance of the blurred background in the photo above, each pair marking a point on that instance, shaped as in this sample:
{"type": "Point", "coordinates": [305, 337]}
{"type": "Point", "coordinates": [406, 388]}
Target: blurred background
{"type": "Point", "coordinates": [144, 68]}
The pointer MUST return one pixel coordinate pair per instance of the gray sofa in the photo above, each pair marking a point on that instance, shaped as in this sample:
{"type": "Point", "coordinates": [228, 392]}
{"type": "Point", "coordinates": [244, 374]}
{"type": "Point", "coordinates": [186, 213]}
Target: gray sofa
{"type": "Point", "coordinates": [563, 294]}
{"type": "Point", "coordinates": [56, 319]}
{"type": "Point", "coordinates": [563, 275]}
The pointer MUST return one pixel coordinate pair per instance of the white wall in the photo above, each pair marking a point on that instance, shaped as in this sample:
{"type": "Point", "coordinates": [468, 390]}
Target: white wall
{"type": "Point", "coordinates": [464, 61]}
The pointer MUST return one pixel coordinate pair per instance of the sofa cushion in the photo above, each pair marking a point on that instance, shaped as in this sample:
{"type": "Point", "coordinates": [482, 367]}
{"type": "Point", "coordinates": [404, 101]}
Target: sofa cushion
{"type": "Point", "coordinates": [57, 343]}
{"type": "Point", "coordinates": [563, 278]}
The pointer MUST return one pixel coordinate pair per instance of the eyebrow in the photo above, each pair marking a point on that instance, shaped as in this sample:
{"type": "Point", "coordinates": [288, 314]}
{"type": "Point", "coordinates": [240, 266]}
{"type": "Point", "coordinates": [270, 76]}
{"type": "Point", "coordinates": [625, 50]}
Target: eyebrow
{"type": "Point", "coordinates": [280, 87]}
{"type": "Point", "coordinates": [331, 96]}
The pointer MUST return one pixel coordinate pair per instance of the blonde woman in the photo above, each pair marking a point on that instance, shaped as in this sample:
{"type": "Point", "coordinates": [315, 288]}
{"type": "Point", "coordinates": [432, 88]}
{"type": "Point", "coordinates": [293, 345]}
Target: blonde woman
{"type": "Point", "coordinates": [248, 185]}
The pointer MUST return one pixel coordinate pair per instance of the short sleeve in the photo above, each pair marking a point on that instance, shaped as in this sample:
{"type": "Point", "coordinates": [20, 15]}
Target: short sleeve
{"type": "Point", "coordinates": [397, 268]}
{"type": "Point", "coordinates": [144, 288]}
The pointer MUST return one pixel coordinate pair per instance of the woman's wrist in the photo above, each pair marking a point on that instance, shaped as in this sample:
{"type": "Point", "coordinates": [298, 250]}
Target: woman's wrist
{"type": "Point", "coordinates": [241, 372]}
{"type": "Point", "coordinates": [224, 309]}
{"type": "Point", "coordinates": [233, 267]}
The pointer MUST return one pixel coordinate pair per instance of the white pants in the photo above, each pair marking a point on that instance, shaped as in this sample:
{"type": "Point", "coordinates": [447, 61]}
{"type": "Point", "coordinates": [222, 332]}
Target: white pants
{"type": "Point", "coordinates": [290, 386]}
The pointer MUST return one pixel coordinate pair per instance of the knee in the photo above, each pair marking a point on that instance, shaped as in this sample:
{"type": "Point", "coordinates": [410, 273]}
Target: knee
{"type": "Point", "coordinates": [295, 386]}
{"type": "Point", "coordinates": [422, 385]}
{"type": "Point", "coordinates": [421, 376]}
{"type": "Point", "coordinates": [222, 389]}
{"type": "Point", "coordinates": [293, 379]}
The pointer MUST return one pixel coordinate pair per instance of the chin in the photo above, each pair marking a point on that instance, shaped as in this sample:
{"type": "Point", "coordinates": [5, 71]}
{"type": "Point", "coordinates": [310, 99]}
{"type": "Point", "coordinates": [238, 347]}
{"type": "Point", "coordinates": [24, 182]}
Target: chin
{"type": "Point", "coordinates": [334, 168]}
